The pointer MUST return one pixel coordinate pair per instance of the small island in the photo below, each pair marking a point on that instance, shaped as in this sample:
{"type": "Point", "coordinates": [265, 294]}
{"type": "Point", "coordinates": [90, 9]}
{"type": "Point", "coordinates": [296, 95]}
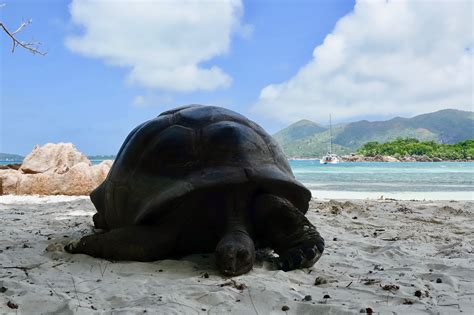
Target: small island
{"type": "Point", "coordinates": [413, 150]}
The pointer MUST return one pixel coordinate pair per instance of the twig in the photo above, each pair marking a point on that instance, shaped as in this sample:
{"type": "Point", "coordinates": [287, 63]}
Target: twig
{"type": "Point", "coordinates": [31, 47]}
{"type": "Point", "coordinates": [58, 264]}
{"type": "Point", "coordinates": [251, 300]}
{"type": "Point", "coordinates": [102, 271]}
{"type": "Point", "coordinates": [52, 289]}
{"type": "Point", "coordinates": [75, 291]}
{"type": "Point", "coordinates": [22, 268]}
{"type": "Point", "coordinates": [23, 25]}
{"type": "Point", "coordinates": [455, 304]}
{"type": "Point", "coordinates": [197, 299]}
{"type": "Point", "coordinates": [210, 309]}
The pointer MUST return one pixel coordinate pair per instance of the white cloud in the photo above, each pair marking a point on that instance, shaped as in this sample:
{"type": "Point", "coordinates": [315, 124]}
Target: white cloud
{"type": "Point", "coordinates": [163, 41]}
{"type": "Point", "coordinates": [139, 101]}
{"type": "Point", "coordinates": [152, 99]}
{"type": "Point", "coordinates": [384, 58]}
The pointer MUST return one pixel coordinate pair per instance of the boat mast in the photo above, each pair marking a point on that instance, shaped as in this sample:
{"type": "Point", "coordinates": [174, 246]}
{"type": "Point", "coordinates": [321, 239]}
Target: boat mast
{"type": "Point", "coordinates": [330, 135]}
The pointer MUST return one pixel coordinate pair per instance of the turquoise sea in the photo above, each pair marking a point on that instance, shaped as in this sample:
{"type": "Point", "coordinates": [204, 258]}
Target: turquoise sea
{"type": "Point", "coordinates": [359, 180]}
{"type": "Point", "coordinates": [417, 180]}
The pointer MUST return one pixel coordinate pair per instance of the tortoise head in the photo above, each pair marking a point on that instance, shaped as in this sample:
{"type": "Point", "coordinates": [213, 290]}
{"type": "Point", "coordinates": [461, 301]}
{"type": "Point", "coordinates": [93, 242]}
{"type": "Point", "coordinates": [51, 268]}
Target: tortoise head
{"type": "Point", "coordinates": [235, 253]}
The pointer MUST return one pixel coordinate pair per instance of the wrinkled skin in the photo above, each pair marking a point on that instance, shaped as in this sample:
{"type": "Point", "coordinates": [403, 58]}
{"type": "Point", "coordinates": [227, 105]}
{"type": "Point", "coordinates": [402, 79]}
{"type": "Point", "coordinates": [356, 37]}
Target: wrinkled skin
{"type": "Point", "coordinates": [235, 254]}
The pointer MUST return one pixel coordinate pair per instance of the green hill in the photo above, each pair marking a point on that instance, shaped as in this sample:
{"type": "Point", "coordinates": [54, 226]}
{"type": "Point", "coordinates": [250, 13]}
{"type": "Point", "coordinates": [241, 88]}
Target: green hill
{"type": "Point", "coordinates": [312, 145]}
{"type": "Point", "coordinates": [299, 130]}
{"type": "Point", "coordinates": [307, 139]}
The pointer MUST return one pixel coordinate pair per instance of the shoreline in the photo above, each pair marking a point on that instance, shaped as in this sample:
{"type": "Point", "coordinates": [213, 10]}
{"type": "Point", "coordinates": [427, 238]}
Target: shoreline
{"type": "Point", "coordinates": [318, 195]}
{"type": "Point", "coordinates": [382, 159]}
{"type": "Point", "coordinates": [385, 159]}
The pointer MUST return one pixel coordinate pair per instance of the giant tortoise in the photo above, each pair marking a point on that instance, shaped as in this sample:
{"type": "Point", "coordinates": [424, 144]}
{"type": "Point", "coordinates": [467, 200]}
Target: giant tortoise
{"type": "Point", "coordinates": [200, 179]}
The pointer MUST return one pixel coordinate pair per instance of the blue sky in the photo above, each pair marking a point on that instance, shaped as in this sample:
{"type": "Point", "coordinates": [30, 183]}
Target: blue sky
{"type": "Point", "coordinates": [109, 68]}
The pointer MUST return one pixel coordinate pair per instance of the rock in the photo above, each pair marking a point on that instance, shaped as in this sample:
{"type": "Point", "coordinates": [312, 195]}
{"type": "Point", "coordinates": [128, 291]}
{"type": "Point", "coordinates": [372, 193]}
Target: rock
{"type": "Point", "coordinates": [68, 172]}
{"type": "Point", "coordinates": [9, 179]}
{"type": "Point", "coordinates": [350, 158]}
{"type": "Point", "coordinates": [81, 179]}
{"type": "Point", "coordinates": [320, 280]}
{"type": "Point", "coordinates": [41, 184]}
{"type": "Point", "coordinates": [422, 158]}
{"type": "Point", "coordinates": [379, 158]}
{"type": "Point", "coordinates": [12, 305]}
{"type": "Point", "coordinates": [100, 171]}
{"type": "Point", "coordinates": [10, 166]}
{"type": "Point", "coordinates": [436, 159]}
{"type": "Point", "coordinates": [51, 157]}
{"type": "Point", "coordinates": [390, 159]}
{"type": "Point", "coordinates": [409, 159]}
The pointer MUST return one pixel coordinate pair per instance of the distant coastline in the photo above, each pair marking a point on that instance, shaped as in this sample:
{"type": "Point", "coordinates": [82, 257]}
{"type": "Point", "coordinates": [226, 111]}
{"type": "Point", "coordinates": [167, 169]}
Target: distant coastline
{"type": "Point", "coordinates": [383, 159]}
{"type": "Point", "coordinates": [410, 150]}
{"type": "Point", "coordinates": [391, 159]}
{"type": "Point", "coordinates": [15, 164]}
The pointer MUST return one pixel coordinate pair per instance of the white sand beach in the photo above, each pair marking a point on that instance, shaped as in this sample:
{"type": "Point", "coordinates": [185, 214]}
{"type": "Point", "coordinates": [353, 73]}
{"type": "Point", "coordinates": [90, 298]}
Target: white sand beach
{"type": "Point", "coordinates": [399, 195]}
{"type": "Point", "coordinates": [382, 256]}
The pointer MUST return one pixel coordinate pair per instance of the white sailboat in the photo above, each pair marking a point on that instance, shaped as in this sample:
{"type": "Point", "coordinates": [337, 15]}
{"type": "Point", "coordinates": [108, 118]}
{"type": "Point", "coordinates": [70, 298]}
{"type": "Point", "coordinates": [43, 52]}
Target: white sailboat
{"type": "Point", "coordinates": [329, 158]}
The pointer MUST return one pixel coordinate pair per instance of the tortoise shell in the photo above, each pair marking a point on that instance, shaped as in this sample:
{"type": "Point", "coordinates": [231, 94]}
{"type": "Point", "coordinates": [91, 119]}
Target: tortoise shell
{"type": "Point", "coordinates": [186, 150]}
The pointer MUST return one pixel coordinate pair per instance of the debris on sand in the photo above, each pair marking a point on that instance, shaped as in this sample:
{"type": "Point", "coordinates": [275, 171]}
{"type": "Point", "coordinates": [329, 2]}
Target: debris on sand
{"type": "Point", "coordinates": [390, 287]}
{"type": "Point", "coordinates": [12, 305]}
{"type": "Point", "coordinates": [320, 280]}
{"type": "Point", "coordinates": [234, 284]}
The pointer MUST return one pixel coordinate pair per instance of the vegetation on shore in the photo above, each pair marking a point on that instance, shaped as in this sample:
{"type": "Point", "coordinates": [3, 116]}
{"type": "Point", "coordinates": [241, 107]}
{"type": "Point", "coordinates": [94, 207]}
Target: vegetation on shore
{"type": "Point", "coordinates": [413, 147]}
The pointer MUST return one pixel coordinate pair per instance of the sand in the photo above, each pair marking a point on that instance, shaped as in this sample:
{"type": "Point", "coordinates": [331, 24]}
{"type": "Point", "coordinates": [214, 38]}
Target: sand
{"type": "Point", "coordinates": [379, 255]}
{"type": "Point", "coordinates": [401, 195]}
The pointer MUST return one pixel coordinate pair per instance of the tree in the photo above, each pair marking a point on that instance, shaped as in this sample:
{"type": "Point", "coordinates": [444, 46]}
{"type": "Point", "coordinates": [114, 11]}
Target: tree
{"type": "Point", "coordinates": [32, 47]}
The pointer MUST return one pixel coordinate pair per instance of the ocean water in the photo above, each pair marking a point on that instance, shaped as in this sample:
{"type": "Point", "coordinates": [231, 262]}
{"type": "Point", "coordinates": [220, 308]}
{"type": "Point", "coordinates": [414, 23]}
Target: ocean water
{"type": "Point", "coordinates": [360, 180]}
{"type": "Point", "coordinates": [417, 180]}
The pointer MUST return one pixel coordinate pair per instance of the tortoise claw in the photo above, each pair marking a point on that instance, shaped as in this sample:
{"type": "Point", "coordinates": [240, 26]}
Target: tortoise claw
{"type": "Point", "coordinates": [299, 257]}
{"type": "Point", "coordinates": [71, 247]}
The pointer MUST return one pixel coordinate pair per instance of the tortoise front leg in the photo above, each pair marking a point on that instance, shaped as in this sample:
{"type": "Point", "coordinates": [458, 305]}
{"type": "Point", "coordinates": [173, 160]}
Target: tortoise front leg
{"type": "Point", "coordinates": [138, 243]}
{"type": "Point", "coordinates": [289, 232]}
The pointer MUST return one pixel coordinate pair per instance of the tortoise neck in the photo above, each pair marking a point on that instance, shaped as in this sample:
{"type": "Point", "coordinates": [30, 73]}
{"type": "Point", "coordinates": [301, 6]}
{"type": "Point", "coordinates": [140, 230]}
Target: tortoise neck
{"type": "Point", "coordinates": [236, 226]}
{"type": "Point", "coordinates": [237, 213]}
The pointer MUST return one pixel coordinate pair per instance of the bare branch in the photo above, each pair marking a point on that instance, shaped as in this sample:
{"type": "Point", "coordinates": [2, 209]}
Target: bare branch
{"type": "Point", "coordinates": [32, 47]}
{"type": "Point", "coordinates": [24, 24]}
